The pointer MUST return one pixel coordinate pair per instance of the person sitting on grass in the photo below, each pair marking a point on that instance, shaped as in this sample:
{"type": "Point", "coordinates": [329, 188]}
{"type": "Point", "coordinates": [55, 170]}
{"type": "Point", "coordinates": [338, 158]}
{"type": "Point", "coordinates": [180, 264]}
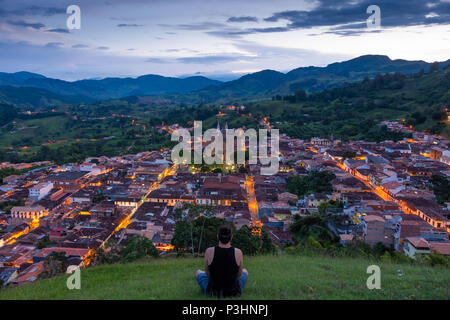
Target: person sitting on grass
{"type": "Point", "coordinates": [223, 276]}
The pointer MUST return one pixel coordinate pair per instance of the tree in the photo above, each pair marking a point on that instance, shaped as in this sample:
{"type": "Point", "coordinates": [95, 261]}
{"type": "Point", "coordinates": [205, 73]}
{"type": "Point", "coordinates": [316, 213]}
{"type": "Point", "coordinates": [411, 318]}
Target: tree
{"type": "Point", "coordinates": [441, 188]}
{"type": "Point", "coordinates": [193, 227]}
{"type": "Point", "coordinates": [315, 181]}
{"type": "Point", "coordinates": [347, 154]}
{"type": "Point", "coordinates": [108, 255]}
{"type": "Point", "coordinates": [244, 240]}
{"type": "Point", "coordinates": [251, 244]}
{"type": "Point", "coordinates": [267, 245]}
{"type": "Point", "coordinates": [434, 67]}
{"type": "Point", "coordinates": [7, 113]}
{"type": "Point", "coordinates": [45, 242]}
{"type": "Point", "coordinates": [300, 95]}
{"type": "Point", "coordinates": [311, 226]}
{"type": "Point", "coordinates": [137, 248]}
{"type": "Point", "coordinates": [323, 206]}
{"type": "Point", "coordinates": [55, 264]}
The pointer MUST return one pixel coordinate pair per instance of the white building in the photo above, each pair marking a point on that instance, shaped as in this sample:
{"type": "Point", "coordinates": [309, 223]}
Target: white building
{"type": "Point", "coordinates": [92, 168]}
{"type": "Point", "coordinates": [40, 190]}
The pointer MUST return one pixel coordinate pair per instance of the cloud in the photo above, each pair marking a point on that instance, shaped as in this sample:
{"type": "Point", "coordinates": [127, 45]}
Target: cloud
{"type": "Point", "coordinates": [237, 33]}
{"type": "Point", "coordinates": [129, 25]}
{"type": "Point", "coordinates": [21, 23]}
{"type": "Point", "coordinates": [102, 48]}
{"type": "Point", "coordinates": [58, 30]}
{"type": "Point", "coordinates": [206, 59]}
{"type": "Point", "coordinates": [157, 60]}
{"type": "Point", "coordinates": [33, 11]}
{"type": "Point", "coordinates": [44, 11]}
{"type": "Point", "coordinates": [337, 12]}
{"type": "Point", "coordinates": [80, 46]}
{"type": "Point", "coordinates": [243, 19]}
{"type": "Point", "coordinates": [197, 26]}
{"type": "Point", "coordinates": [54, 45]}
{"type": "Point", "coordinates": [210, 59]}
{"type": "Point", "coordinates": [342, 17]}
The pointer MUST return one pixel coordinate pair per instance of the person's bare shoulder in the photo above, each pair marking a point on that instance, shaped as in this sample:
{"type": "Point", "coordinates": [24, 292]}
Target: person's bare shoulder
{"type": "Point", "coordinates": [209, 251]}
{"type": "Point", "coordinates": [238, 252]}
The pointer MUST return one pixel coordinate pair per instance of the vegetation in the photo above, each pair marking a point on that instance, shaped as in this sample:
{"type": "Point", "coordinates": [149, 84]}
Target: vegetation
{"type": "Point", "coordinates": [45, 242]}
{"type": "Point", "coordinates": [354, 110]}
{"type": "Point", "coordinates": [251, 244]}
{"type": "Point", "coordinates": [441, 187]}
{"type": "Point", "coordinates": [313, 182]}
{"type": "Point", "coordinates": [6, 172]}
{"type": "Point", "coordinates": [313, 229]}
{"type": "Point", "coordinates": [196, 229]}
{"type": "Point", "coordinates": [324, 206]}
{"type": "Point", "coordinates": [137, 248]}
{"type": "Point", "coordinates": [63, 139]}
{"type": "Point", "coordinates": [7, 205]}
{"type": "Point", "coordinates": [54, 265]}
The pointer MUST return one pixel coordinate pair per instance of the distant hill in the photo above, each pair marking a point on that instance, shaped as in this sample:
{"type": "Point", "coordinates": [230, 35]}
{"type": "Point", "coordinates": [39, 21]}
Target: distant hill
{"type": "Point", "coordinates": [18, 78]}
{"type": "Point", "coordinates": [197, 88]}
{"type": "Point", "coordinates": [315, 79]}
{"type": "Point", "coordinates": [108, 88]}
{"type": "Point", "coordinates": [311, 79]}
{"type": "Point", "coordinates": [35, 97]}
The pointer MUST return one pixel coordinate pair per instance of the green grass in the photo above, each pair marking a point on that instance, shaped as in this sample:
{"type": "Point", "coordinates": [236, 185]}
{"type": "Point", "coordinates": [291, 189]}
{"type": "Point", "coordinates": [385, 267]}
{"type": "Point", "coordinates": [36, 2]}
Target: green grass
{"type": "Point", "coordinates": [271, 277]}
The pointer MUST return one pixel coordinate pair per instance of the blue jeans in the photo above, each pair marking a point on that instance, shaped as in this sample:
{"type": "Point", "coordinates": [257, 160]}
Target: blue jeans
{"type": "Point", "coordinates": [203, 281]}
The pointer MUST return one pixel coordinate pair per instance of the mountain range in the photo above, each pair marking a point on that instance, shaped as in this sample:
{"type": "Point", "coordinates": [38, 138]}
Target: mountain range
{"type": "Point", "coordinates": [31, 89]}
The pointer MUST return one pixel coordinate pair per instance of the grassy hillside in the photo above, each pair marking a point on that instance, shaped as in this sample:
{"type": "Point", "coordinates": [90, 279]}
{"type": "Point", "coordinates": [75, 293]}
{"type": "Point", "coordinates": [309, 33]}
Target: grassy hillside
{"type": "Point", "coordinates": [271, 277]}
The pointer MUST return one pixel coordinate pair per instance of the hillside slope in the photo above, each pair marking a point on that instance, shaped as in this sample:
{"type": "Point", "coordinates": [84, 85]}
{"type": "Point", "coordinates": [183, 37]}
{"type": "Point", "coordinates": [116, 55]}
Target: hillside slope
{"type": "Point", "coordinates": [271, 277]}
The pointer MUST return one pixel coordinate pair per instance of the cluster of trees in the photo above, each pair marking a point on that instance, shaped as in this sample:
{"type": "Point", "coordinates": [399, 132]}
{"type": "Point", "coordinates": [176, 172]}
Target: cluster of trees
{"type": "Point", "coordinates": [441, 188]}
{"type": "Point", "coordinates": [313, 182]}
{"type": "Point", "coordinates": [196, 229]}
{"type": "Point", "coordinates": [54, 265]}
{"type": "Point", "coordinates": [7, 113]}
{"type": "Point", "coordinates": [5, 172]}
{"type": "Point", "coordinates": [77, 151]}
{"type": "Point", "coordinates": [7, 205]}
{"type": "Point", "coordinates": [299, 96]}
{"type": "Point", "coordinates": [312, 237]}
{"type": "Point", "coordinates": [184, 115]}
{"type": "Point", "coordinates": [45, 242]}
{"type": "Point", "coordinates": [137, 248]}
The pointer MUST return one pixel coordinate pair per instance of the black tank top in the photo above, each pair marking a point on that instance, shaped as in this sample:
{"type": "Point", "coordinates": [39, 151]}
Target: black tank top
{"type": "Point", "coordinates": [223, 274]}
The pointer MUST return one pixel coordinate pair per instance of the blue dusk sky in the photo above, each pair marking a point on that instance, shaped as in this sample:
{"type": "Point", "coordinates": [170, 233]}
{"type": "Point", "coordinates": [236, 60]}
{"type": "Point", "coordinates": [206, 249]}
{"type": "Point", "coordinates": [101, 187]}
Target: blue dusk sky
{"type": "Point", "coordinates": [219, 39]}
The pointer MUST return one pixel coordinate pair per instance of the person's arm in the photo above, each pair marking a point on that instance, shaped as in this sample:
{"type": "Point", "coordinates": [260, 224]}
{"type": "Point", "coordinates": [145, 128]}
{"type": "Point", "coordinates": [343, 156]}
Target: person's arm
{"type": "Point", "coordinates": [207, 259]}
{"type": "Point", "coordinates": [239, 260]}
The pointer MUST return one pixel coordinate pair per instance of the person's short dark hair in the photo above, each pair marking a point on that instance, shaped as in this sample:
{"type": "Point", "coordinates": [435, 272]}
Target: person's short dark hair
{"type": "Point", "coordinates": [225, 233]}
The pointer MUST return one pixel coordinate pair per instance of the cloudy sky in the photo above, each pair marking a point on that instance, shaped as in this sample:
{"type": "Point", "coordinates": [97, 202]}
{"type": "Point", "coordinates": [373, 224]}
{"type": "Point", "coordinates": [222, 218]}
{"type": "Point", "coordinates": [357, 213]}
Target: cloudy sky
{"type": "Point", "coordinates": [216, 38]}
